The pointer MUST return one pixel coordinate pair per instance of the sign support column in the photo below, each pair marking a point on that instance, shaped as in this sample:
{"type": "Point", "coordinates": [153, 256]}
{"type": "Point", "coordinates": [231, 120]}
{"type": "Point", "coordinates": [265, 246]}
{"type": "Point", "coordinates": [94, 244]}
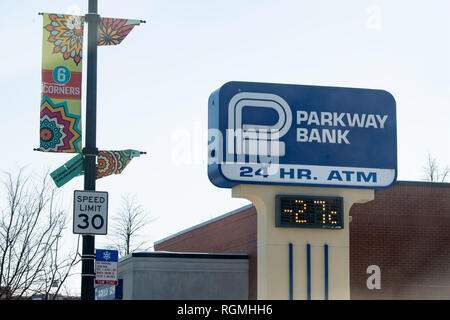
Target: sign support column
{"type": "Point", "coordinates": [90, 151]}
{"type": "Point", "coordinates": [273, 243]}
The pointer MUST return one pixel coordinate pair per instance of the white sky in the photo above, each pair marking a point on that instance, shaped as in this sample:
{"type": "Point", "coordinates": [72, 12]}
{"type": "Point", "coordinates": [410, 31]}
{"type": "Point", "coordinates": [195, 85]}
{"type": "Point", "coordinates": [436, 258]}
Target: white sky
{"type": "Point", "coordinates": [153, 89]}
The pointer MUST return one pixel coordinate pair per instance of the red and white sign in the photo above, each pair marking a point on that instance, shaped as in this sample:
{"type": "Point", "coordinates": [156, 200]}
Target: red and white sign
{"type": "Point", "coordinates": [106, 267]}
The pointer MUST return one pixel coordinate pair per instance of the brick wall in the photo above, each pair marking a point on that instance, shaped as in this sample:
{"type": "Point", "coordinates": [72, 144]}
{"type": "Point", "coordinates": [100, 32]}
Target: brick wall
{"type": "Point", "coordinates": [405, 231]}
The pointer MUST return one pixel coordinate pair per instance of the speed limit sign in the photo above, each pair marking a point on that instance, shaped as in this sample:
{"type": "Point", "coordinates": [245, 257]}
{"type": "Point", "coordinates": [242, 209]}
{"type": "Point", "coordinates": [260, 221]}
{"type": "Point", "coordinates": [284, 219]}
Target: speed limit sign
{"type": "Point", "coordinates": [90, 212]}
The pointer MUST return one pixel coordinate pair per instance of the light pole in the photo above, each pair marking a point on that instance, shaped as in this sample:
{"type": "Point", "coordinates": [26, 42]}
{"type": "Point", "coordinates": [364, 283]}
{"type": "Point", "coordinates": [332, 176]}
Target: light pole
{"type": "Point", "coordinates": [90, 151]}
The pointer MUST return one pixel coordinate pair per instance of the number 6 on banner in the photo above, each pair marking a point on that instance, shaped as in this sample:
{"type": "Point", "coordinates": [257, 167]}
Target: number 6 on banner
{"type": "Point", "coordinates": [61, 75]}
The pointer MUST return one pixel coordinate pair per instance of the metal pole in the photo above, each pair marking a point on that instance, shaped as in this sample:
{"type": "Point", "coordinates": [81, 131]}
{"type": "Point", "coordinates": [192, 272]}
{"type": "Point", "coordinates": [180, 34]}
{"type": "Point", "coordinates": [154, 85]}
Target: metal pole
{"type": "Point", "coordinates": [90, 151]}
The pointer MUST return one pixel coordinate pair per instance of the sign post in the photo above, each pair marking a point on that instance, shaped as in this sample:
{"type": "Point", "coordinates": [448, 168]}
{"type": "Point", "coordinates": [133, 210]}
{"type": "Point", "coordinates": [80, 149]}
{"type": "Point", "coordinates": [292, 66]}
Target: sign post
{"type": "Point", "coordinates": [90, 150]}
{"type": "Point", "coordinates": [273, 281]}
{"type": "Point", "coordinates": [303, 155]}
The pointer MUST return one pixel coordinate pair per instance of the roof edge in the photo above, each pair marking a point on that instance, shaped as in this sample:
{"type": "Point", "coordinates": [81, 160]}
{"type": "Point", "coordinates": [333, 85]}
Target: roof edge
{"type": "Point", "coordinates": [204, 223]}
{"type": "Point", "coordinates": [422, 184]}
{"type": "Point", "coordinates": [192, 255]}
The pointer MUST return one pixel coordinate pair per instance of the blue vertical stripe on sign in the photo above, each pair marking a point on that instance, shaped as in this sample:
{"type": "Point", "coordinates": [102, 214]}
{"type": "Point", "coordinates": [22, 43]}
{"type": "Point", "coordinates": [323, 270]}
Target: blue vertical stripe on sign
{"type": "Point", "coordinates": [291, 274]}
{"type": "Point", "coordinates": [326, 270]}
{"type": "Point", "coordinates": [308, 271]}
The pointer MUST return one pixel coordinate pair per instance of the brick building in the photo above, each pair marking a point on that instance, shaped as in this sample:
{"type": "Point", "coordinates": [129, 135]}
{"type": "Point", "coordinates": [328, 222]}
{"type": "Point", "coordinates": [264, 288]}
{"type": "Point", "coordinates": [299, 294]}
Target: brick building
{"type": "Point", "coordinates": [404, 233]}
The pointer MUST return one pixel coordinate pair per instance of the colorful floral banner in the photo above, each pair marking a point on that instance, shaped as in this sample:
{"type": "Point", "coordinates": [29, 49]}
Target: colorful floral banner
{"type": "Point", "coordinates": [62, 52]}
{"type": "Point", "coordinates": [113, 162]}
{"type": "Point", "coordinates": [108, 162]}
{"type": "Point", "coordinates": [60, 112]}
{"type": "Point", "coordinates": [111, 31]}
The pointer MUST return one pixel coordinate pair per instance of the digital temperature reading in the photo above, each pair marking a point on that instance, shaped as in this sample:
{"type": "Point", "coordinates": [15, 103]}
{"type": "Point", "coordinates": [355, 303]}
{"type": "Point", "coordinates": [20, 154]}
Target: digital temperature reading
{"type": "Point", "coordinates": [309, 212]}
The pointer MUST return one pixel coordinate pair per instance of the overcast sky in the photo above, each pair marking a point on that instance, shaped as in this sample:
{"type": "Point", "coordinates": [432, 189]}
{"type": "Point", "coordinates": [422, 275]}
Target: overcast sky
{"type": "Point", "coordinates": [153, 88]}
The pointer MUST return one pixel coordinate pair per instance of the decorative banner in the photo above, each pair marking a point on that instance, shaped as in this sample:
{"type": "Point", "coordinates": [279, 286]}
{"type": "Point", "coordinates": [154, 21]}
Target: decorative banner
{"type": "Point", "coordinates": [108, 162]}
{"type": "Point", "coordinates": [71, 169]}
{"type": "Point", "coordinates": [113, 162]}
{"type": "Point", "coordinates": [111, 31]}
{"type": "Point", "coordinates": [60, 113]}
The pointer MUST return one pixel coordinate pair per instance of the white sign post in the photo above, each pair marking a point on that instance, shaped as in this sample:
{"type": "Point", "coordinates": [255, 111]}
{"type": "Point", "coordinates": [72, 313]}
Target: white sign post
{"type": "Point", "coordinates": [90, 212]}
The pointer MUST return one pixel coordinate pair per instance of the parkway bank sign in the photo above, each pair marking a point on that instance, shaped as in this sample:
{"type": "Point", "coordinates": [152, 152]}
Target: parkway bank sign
{"type": "Point", "coordinates": [301, 135]}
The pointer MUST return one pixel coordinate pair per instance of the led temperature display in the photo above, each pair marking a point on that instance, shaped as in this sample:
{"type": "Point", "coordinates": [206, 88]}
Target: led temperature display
{"type": "Point", "coordinates": [309, 212]}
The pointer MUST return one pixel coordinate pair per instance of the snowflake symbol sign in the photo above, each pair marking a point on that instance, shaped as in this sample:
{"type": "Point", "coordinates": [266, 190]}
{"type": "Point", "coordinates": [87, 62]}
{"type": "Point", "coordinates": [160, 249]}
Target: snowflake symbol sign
{"type": "Point", "coordinates": [106, 255]}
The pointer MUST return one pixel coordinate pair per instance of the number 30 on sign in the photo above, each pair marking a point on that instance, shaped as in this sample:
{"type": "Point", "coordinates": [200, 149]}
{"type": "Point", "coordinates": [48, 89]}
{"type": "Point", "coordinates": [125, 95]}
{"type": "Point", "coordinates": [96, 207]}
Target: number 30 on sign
{"type": "Point", "coordinates": [90, 212]}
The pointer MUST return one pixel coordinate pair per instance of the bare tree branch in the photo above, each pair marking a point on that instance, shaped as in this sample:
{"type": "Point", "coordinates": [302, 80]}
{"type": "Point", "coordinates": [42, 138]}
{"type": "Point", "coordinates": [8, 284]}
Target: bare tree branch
{"type": "Point", "coordinates": [433, 172]}
{"type": "Point", "coordinates": [31, 225]}
{"type": "Point", "coordinates": [131, 218]}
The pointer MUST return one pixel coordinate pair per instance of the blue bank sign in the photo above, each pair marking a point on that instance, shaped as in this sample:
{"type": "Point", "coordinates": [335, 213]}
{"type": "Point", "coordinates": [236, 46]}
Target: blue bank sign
{"type": "Point", "coordinates": [264, 133]}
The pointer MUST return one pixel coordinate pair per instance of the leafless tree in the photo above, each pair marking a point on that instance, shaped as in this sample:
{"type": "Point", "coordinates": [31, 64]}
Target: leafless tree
{"type": "Point", "coordinates": [433, 172]}
{"type": "Point", "coordinates": [126, 226]}
{"type": "Point", "coordinates": [131, 218]}
{"type": "Point", "coordinates": [31, 225]}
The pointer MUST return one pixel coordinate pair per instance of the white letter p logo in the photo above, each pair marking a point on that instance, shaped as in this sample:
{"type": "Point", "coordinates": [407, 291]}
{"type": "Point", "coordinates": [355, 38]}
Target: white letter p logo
{"type": "Point", "coordinates": [252, 138]}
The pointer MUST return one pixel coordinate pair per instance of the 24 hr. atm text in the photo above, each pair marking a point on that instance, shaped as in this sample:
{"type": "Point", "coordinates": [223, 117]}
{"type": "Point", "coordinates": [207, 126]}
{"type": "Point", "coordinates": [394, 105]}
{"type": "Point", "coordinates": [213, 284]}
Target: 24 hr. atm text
{"type": "Point", "coordinates": [307, 174]}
